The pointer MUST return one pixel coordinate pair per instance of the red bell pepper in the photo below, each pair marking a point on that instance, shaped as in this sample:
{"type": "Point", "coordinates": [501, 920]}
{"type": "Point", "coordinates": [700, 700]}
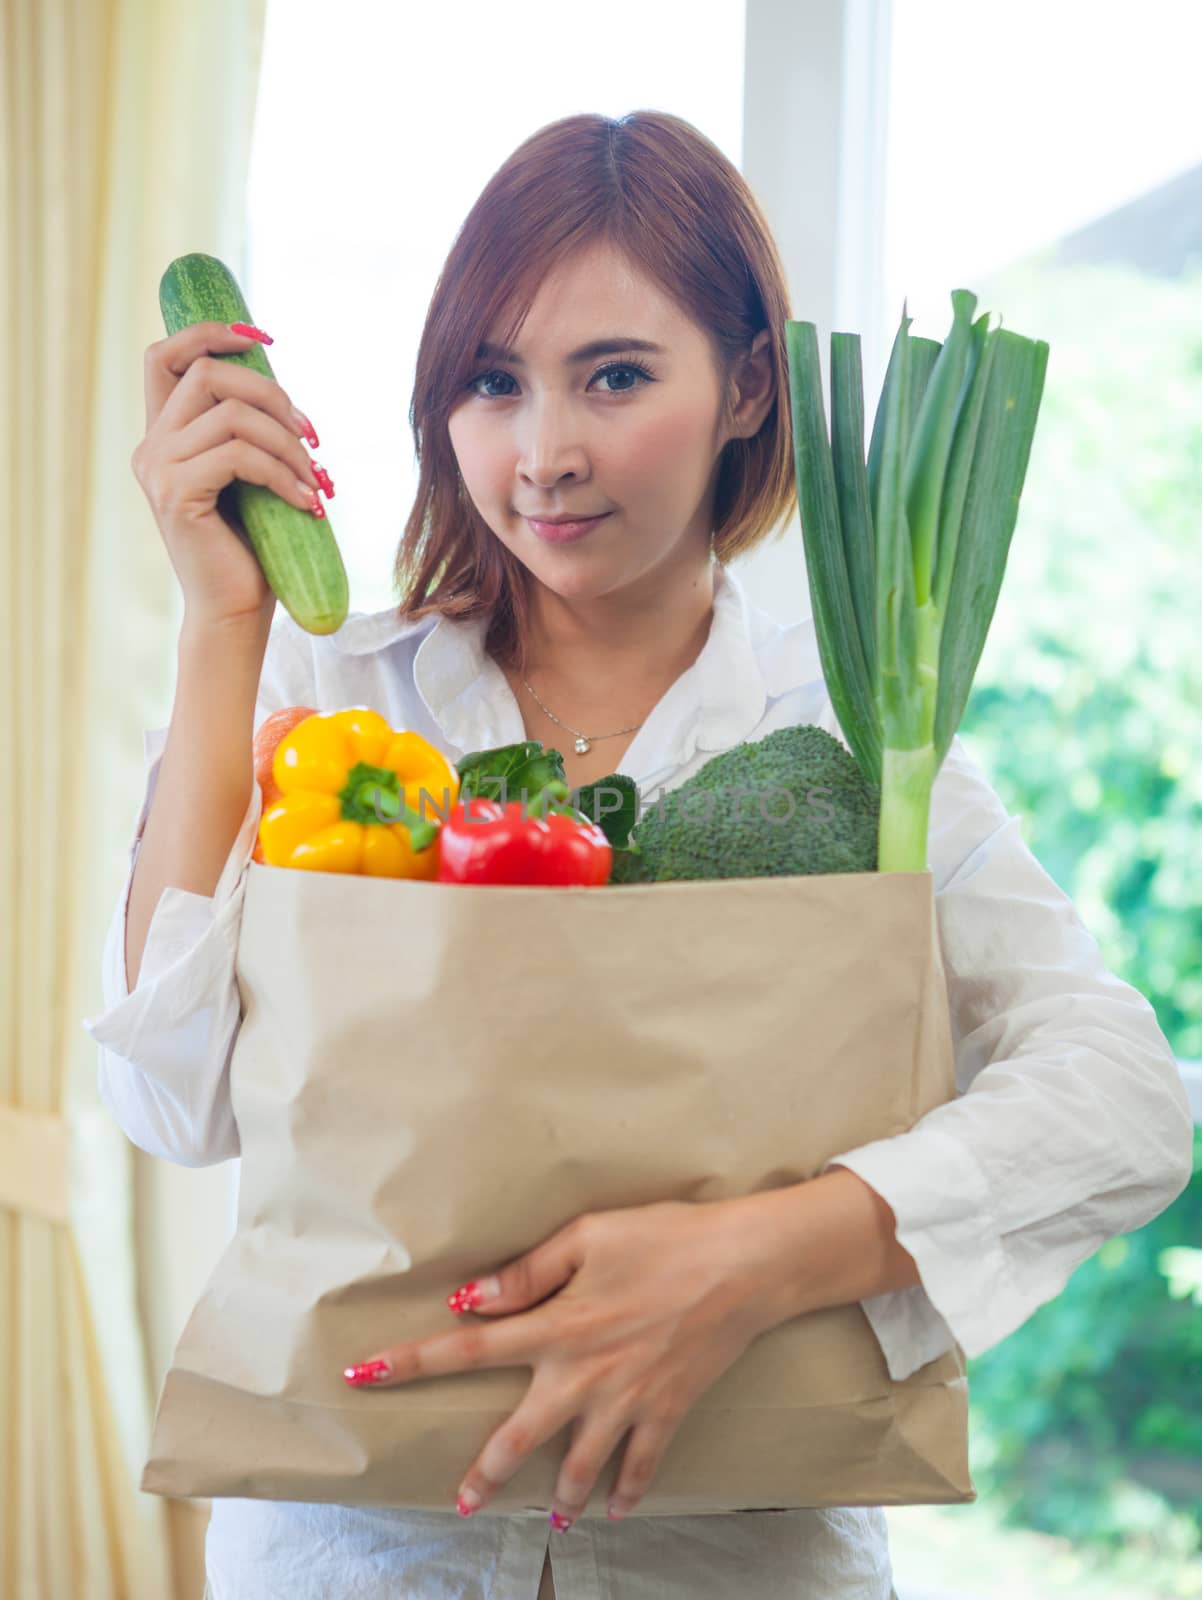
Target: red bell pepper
{"type": "Point", "coordinates": [485, 841]}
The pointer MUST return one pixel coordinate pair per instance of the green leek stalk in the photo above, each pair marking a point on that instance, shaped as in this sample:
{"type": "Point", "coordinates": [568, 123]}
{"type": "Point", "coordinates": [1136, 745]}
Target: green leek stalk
{"type": "Point", "coordinates": [905, 550]}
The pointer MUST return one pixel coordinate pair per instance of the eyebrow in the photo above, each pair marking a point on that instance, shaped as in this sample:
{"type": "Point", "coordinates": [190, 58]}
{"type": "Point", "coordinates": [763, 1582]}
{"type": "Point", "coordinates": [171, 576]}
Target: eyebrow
{"type": "Point", "coordinates": [599, 347]}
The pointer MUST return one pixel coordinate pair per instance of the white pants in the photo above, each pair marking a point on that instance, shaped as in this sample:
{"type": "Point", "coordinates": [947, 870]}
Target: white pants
{"type": "Point", "coordinates": [546, 1588]}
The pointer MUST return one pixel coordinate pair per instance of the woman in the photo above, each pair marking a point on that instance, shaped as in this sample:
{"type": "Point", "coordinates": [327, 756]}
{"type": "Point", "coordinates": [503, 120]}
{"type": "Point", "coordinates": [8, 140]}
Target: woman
{"type": "Point", "coordinates": [606, 341]}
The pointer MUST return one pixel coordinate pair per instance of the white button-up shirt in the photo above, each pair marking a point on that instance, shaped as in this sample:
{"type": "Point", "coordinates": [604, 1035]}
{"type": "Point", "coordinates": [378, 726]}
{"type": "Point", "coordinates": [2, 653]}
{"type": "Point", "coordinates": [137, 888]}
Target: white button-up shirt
{"type": "Point", "coordinates": [1070, 1124]}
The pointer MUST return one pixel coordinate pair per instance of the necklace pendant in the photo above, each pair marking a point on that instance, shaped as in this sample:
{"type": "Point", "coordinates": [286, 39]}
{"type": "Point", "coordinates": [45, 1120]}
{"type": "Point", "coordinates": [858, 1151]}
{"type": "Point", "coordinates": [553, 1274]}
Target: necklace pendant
{"type": "Point", "coordinates": [582, 745]}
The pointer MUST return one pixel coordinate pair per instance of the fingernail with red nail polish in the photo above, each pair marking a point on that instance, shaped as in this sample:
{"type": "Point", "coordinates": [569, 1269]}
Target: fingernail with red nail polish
{"type": "Point", "coordinates": [315, 505]}
{"type": "Point", "coordinates": [249, 332]}
{"type": "Point", "coordinates": [324, 479]}
{"type": "Point", "coordinates": [473, 1294]}
{"type": "Point", "coordinates": [367, 1372]}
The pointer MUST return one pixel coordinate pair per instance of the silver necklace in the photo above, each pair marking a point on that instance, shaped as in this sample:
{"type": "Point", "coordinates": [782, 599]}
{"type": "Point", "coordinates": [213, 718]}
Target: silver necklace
{"type": "Point", "coordinates": [584, 742]}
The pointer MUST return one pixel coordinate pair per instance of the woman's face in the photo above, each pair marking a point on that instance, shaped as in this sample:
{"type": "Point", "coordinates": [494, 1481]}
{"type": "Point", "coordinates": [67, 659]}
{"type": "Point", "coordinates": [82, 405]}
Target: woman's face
{"type": "Point", "coordinates": [635, 434]}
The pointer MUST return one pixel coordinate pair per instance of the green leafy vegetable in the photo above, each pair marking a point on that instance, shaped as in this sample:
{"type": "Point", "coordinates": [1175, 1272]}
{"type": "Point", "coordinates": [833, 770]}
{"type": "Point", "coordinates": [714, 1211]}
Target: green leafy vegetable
{"type": "Point", "coordinates": [527, 771]}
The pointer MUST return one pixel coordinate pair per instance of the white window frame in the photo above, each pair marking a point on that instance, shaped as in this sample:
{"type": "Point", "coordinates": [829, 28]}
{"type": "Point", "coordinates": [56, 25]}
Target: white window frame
{"type": "Point", "coordinates": [1191, 1075]}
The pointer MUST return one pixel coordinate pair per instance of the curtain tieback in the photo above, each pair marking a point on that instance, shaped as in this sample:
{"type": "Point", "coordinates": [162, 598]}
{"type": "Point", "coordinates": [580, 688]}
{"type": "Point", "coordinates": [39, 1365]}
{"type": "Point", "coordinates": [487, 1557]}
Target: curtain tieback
{"type": "Point", "coordinates": [34, 1163]}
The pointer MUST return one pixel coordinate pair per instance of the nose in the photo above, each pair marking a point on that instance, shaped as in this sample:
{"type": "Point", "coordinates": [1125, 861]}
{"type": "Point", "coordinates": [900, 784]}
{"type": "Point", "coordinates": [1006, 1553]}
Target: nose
{"type": "Point", "coordinates": [551, 448]}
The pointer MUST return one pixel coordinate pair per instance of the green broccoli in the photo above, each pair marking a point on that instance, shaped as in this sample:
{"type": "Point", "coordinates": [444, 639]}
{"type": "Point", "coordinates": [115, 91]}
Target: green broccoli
{"type": "Point", "coordinates": [794, 802]}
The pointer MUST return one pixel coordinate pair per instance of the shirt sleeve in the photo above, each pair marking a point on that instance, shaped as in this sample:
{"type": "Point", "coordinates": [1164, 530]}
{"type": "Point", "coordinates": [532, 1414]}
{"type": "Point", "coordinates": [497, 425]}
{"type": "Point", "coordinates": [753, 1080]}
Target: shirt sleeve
{"type": "Point", "coordinates": [165, 1047]}
{"type": "Point", "coordinates": [1070, 1124]}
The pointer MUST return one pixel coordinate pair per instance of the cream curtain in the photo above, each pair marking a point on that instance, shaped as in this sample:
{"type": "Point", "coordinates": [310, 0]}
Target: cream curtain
{"type": "Point", "coordinates": [125, 129]}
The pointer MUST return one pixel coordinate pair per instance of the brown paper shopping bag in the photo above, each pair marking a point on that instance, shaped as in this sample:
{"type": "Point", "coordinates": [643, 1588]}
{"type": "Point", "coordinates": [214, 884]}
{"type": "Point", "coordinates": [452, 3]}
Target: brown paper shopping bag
{"type": "Point", "coordinates": [432, 1078]}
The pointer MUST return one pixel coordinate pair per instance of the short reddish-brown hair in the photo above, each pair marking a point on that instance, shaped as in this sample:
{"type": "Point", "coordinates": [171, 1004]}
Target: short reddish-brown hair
{"type": "Point", "coordinates": [653, 186]}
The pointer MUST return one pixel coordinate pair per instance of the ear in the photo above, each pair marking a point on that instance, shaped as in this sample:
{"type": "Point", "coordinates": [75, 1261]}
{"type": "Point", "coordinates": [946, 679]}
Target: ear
{"type": "Point", "coordinates": [754, 387]}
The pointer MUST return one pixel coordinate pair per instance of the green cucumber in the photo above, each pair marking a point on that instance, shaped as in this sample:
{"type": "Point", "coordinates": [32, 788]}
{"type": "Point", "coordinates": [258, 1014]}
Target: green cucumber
{"type": "Point", "coordinates": [297, 551]}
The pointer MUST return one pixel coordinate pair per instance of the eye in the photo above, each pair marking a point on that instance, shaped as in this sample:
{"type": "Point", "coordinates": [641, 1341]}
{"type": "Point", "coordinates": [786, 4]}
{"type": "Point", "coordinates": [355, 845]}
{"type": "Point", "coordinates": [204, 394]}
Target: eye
{"type": "Point", "coordinates": [643, 374]}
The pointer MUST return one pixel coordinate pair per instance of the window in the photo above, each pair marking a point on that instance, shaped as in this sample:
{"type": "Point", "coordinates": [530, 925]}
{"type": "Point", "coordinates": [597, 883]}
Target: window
{"type": "Point", "coordinates": [1050, 159]}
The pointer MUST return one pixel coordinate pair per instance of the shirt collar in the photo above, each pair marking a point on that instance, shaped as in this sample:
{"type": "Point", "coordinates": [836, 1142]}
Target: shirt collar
{"type": "Point", "coordinates": [730, 690]}
{"type": "Point", "coordinates": [366, 631]}
{"type": "Point", "coordinates": [715, 703]}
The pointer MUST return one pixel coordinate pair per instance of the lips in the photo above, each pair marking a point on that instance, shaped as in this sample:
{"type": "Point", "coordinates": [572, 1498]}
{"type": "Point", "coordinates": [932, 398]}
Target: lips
{"type": "Point", "coordinates": [566, 516]}
{"type": "Point", "coordinates": [561, 532]}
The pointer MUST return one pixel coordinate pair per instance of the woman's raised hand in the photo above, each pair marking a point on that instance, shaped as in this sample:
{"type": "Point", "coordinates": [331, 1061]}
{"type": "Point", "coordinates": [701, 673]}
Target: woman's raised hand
{"type": "Point", "coordinates": [207, 423]}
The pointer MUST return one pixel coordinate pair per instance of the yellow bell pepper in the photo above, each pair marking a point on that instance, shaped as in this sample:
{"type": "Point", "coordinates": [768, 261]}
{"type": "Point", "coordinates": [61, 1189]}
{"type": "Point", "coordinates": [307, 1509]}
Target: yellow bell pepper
{"type": "Point", "coordinates": [357, 796]}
